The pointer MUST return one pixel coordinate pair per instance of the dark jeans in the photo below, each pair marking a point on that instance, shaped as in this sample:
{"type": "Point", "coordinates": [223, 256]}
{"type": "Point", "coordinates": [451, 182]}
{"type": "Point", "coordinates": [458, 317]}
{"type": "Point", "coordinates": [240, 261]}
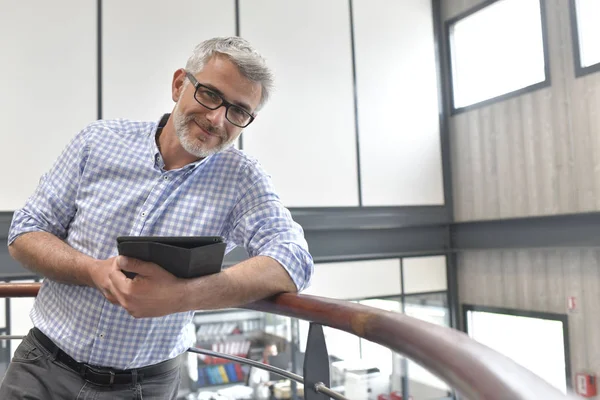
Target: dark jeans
{"type": "Point", "coordinates": [34, 374]}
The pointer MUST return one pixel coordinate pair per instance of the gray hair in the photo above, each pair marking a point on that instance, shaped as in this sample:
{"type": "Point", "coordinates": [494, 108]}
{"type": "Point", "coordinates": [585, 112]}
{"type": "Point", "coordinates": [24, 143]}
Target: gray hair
{"type": "Point", "coordinates": [250, 63]}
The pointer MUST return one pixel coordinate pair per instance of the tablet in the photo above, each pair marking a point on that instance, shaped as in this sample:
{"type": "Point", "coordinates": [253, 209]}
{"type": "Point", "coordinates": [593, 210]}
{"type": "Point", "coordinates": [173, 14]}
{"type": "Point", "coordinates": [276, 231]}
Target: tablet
{"type": "Point", "coordinates": [187, 242]}
{"type": "Point", "coordinates": [183, 256]}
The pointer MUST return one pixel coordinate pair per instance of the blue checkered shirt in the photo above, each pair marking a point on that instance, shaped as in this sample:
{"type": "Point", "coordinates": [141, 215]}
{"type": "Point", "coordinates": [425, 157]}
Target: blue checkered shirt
{"type": "Point", "coordinates": [109, 182]}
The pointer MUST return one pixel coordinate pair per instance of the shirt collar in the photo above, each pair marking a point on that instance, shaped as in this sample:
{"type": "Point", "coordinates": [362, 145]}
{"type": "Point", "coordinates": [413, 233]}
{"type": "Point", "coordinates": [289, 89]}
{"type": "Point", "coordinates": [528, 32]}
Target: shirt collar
{"type": "Point", "coordinates": [154, 150]}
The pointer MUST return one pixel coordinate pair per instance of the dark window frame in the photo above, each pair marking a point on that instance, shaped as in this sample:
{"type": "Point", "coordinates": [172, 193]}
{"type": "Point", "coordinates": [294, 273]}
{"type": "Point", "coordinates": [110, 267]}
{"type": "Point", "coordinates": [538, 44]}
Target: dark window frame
{"type": "Point", "coordinates": [539, 85]}
{"type": "Point", "coordinates": [579, 69]}
{"type": "Point", "coordinates": [564, 318]}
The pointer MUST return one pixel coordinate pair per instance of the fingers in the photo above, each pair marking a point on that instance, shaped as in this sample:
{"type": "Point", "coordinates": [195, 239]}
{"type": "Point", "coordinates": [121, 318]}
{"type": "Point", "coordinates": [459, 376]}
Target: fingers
{"type": "Point", "coordinates": [134, 265]}
{"type": "Point", "coordinates": [110, 290]}
{"type": "Point", "coordinates": [100, 274]}
{"type": "Point", "coordinates": [110, 297]}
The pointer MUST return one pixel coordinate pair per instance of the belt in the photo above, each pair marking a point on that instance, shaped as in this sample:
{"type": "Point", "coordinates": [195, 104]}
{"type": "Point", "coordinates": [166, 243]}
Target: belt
{"type": "Point", "coordinates": [102, 375]}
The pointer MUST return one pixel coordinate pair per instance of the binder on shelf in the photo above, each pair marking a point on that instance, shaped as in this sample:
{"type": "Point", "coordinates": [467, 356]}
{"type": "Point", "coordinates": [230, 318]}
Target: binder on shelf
{"type": "Point", "coordinates": [239, 372]}
{"type": "Point", "coordinates": [223, 374]}
{"type": "Point", "coordinates": [201, 377]}
{"type": "Point", "coordinates": [231, 374]}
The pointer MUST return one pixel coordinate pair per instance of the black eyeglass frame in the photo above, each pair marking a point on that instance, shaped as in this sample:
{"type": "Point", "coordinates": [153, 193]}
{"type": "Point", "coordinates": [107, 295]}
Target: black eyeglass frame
{"type": "Point", "coordinates": [224, 102]}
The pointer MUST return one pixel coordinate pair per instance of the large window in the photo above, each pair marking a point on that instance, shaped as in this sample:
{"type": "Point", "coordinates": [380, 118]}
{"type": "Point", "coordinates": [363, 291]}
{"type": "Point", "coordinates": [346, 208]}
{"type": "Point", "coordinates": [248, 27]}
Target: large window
{"type": "Point", "coordinates": [586, 35]}
{"type": "Point", "coordinates": [537, 341]}
{"type": "Point", "coordinates": [497, 50]}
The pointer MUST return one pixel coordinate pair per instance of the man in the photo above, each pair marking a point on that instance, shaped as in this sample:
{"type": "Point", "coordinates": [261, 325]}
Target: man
{"type": "Point", "coordinates": [99, 334]}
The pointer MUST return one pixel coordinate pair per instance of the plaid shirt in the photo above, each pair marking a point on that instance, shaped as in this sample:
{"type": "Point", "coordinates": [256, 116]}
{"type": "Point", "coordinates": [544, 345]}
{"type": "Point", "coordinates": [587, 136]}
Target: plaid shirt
{"type": "Point", "coordinates": [109, 182]}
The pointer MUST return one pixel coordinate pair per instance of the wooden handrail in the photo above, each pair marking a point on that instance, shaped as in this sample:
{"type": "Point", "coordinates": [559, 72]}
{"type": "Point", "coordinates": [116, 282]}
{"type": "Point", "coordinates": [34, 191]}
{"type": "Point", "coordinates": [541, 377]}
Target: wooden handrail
{"type": "Point", "coordinates": [474, 370]}
{"type": "Point", "coordinates": [19, 289]}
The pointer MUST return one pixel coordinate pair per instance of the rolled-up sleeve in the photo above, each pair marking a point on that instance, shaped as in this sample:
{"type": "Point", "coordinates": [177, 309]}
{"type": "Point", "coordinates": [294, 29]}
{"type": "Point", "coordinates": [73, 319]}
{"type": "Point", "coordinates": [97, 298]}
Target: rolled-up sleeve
{"type": "Point", "coordinates": [263, 226]}
{"type": "Point", "coordinates": [52, 206]}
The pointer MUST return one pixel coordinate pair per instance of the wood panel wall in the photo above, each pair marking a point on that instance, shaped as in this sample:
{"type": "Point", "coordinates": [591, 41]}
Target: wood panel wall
{"type": "Point", "coordinates": [535, 154]}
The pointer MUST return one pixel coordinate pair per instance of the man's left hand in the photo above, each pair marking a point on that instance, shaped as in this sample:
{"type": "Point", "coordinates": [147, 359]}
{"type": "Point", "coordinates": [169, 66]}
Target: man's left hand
{"type": "Point", "coordinates": [153, 292]}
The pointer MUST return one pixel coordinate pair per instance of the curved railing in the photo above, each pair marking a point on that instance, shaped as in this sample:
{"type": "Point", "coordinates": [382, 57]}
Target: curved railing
{"type": "Point", "coordinates": [474, 370]}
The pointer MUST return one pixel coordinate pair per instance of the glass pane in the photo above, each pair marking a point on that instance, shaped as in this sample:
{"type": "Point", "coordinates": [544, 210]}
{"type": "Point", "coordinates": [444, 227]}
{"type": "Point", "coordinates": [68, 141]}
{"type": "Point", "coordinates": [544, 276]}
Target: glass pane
{"type": "Point", "coordinates": [20, 322]}
{"type": "Point", "coordinates": [432, 308]}
{"type": "Point", "coordinates": [374, 353]}
{"type": "Point", "coordinates": [422, 384]}
{"type": "Point", "coordinates": [535, 343]}
{"type": "Point", "coordinates": [588, 12]}
{"type": "Point", "coordinates": [251, 334]}
{"type": "Point", "coordinates": [340, 345]}
{"type": "Point", "coordinates": [489, 60]}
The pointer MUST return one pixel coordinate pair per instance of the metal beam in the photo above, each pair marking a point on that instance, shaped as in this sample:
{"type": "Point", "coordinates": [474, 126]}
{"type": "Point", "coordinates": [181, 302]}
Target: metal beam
{"type": "Point", "coordinates": [333, 234]}
{"type": "Point", "coordinates": [571, 230]}
{"type": "Point", "coordinates": [372, 233]}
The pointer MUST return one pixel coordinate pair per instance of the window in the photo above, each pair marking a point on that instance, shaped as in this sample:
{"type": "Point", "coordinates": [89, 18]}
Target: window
{"type": "Point", "coordinates": [422, 384]}
{"type": "Point", "coordinates": [431, 308]}
{"type": "Point", "coordinates": [586, 34]}
{"type": "Point", "coordinates": [496, 51]}
{"type": "Point", "coordinates": [537, 341]}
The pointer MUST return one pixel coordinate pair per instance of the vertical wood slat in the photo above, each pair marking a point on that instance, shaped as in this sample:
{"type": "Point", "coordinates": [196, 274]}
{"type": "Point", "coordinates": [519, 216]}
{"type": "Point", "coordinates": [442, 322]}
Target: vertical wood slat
{"type": "Point", "coordinates": [579, 94]}
{"type": "Point", "coordinates": [523, 279]}
{"type": "Point", "coordinates": [503, 138]}
{"type": "Point", "coordinates": [538, 283]}
{"type": "Point", "coordinates": [593, 112]}
{"type": "Point", "coordinates": [477, 173]}
{"type": "Point", "coordinates": [510, 274]}
{"type": "Point", "coordinates": [583, 155]}
{"type": "Point", "coordinates": [494, 279]}
{"type": "Point", "coordinates": [571, 260]}
{"type": "Point", "coordinates": [555, 282]}
{"type": "Point", "coordinates": [560, 114]}
{"type": "Point", "coordinates": [516, 171]}
{"type": "Point", "coordinates": [490, 179]}
{"type": "Point", "coordinates": [463, 186]}
{"type": "Point", "coordinates": [480, 270]}
{"type": "Point", "coordinates": [591, 305]}
{"type": "Point", "coordinates": [546, 166]}
{"type": "Point", "coordinates": [531, 156]}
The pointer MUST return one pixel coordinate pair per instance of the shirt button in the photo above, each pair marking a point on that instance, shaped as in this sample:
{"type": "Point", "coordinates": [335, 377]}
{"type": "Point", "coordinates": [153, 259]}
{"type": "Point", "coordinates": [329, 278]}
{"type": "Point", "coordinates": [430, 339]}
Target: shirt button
{"type": "Point", "coordinates": [143, 214]}
{"type": "Point", "coordinates": [166, 178]}
{"type": "Point", "coordinates": [101, 336]}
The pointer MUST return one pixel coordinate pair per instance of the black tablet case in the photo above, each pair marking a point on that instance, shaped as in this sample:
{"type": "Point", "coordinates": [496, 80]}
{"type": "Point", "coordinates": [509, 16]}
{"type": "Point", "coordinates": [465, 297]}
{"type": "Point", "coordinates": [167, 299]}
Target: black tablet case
{"type": "Point", "coordinates": [180, 261]}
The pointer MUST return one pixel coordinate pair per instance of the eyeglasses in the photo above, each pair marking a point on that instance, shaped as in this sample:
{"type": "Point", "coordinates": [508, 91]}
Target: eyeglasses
{"type": "Point", "coordinates": [212, 100]}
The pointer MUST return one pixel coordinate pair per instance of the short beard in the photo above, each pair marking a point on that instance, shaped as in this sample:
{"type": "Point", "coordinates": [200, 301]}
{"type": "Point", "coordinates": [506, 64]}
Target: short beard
{"type": "Point", "coordinates": [194, 146]}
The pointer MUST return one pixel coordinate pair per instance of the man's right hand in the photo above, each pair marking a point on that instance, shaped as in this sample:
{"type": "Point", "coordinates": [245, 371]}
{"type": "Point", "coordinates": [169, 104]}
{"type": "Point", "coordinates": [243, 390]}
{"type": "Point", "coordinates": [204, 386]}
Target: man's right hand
{"type": "Point", "coordinates": [100, 275]}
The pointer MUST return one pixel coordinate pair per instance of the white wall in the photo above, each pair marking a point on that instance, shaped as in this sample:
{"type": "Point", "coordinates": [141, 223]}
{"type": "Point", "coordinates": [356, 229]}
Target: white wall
{"type": "Point", "coordinates": [306, 137]}
{"type": "Point", "coordinates": [47, 87]}
{"type": "Point", "coordinates": [145, 42]}
{"type": "Point", "coordinates": [398, 113]}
